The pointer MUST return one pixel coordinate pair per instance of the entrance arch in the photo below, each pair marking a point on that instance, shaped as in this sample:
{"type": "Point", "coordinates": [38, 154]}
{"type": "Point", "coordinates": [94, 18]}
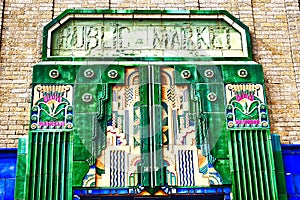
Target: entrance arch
{"type": "Point", "coordinates": [108, 80]}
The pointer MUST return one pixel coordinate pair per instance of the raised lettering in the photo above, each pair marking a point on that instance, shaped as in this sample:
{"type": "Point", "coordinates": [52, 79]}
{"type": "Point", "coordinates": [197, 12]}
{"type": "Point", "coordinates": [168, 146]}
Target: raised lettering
{"type": "Point", "coordinates": [110, 38]}
{"type": "Point", "coordinates": [201, 42]}
{"type": "Point", "coordinates": [160, 39]}
{"type": "Point", "coordinates": [122, 31]}
{"type": "Point", "coordinates": [219, 37]}
{"type": "Point", "coordinates": [92, 37]}
{"type": "Point", "coordinates": [187, 38]}
{"type": "Point", "coordinates": [175, 43]}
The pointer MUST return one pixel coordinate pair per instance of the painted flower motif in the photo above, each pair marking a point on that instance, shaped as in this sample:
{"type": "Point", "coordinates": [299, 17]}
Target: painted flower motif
{"type": "Point", "coordinates": [245, 108]}
{"type": "Point", "coordinates": [52, 108]}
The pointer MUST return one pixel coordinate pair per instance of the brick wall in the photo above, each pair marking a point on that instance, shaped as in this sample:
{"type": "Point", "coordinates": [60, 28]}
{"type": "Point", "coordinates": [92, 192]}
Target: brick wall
{"type": "Point", "coordinates": [274, 26]}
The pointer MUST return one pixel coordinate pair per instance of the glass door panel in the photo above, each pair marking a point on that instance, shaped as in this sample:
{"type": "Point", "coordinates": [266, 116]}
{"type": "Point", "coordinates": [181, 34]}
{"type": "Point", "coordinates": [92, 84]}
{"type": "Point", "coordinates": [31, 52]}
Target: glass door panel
{"type": "Point", "coordinates": [157, 134]}
{"type": "Point", "coordinates": [121, 159]}
{"type": "Point", "coordinates": [185, 155]}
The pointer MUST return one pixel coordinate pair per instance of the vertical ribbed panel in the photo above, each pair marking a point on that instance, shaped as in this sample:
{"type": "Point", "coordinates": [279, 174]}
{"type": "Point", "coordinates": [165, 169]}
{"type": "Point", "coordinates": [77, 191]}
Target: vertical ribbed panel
{"type": "Point", "coordinates": [50, 165]}
{"type": "Point", "coordinates": [253, 165]}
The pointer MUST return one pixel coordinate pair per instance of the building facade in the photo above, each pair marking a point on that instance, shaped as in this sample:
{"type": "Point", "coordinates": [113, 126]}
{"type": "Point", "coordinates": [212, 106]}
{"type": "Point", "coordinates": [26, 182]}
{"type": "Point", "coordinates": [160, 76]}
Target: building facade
{"type": "Point", "coordinates": [65, 84]}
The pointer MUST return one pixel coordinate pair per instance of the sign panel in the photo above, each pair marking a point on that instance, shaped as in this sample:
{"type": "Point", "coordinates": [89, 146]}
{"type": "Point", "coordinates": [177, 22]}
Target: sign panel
{"type": "Point", "coordinates": [157, 37]}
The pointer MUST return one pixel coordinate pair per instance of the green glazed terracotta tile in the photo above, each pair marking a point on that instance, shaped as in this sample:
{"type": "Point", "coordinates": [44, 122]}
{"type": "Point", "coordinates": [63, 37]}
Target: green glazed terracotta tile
{"type": "Point", "coordinates": [62, 74]}
{"type": "Point", "coordinates": [80, 169]}
{"type": "Point", "coordinates": [243, 74]}
{"type": "Point", "coordinates": [185, 74]}
{"type": "Point", "coordinates": [86, 97]}
{"type": "Point", "coordinates": [279, 167]}
{"type": "Point", "coordinates": [113, 74]}
{"type": "Point", "coordinates": [222, 166]}
{"type": "Point", "coordinates": [82, 149]}
{"type": "Point", "coordinates": [22, 165]}
{"type": "Point", "coordinates": [212, 96]}
{"type": "Point", "coordinates": [209, 74]}
{"type": "Point", "coordinates": [23, 145]}
{"type": "Point", "coordinates": [20, 187]}
{"type": "Point", "coordinates": [89, 74]}
{"type": "Point", "coordinates": [281, 185]}
{"type": "Point", "coordinates": [218, 135]}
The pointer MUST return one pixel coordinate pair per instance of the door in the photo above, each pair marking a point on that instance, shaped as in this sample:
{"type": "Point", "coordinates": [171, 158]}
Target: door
{"type": "Point", "coordinates": [157, 131]}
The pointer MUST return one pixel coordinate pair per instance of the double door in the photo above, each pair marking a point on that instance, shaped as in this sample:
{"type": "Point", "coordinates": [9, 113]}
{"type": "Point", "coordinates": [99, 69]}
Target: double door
{"type": "Point", "coordinates": [158, 131]}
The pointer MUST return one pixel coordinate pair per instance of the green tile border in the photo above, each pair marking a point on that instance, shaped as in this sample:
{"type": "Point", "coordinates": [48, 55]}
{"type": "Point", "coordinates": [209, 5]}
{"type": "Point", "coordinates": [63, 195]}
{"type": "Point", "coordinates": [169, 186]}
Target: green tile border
{"type": "Point", "coordinates": [150, 12]}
